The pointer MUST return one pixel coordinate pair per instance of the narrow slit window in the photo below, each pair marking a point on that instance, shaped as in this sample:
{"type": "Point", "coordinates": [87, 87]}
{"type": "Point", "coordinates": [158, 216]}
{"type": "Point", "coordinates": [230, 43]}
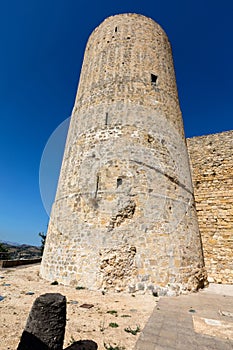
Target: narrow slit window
{"type": "Point", "coordinates": [97, 185]}
{"type": "Point", "coordinates": [106, 119]}
{"type": "Point", "coordinates": [115, 29]}
{"type": "Point", "coordinates": [119, 181]}
{"type": "Point", "coordinates": [154, 79]}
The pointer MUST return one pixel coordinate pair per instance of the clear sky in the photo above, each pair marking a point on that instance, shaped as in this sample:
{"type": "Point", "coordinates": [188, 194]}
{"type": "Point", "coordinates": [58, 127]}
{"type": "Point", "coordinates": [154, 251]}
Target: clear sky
{"type": "Point", "coordinates": [42, 45]}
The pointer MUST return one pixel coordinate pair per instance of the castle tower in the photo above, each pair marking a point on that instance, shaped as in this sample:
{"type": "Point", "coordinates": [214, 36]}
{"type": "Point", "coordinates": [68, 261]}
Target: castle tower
{"type": "Point", "coordinates": [124, 215]}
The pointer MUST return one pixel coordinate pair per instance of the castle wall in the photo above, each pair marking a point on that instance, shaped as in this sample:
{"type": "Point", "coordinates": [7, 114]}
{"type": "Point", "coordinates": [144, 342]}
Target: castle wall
{"type": "Point", "coordinates": [212, 172]}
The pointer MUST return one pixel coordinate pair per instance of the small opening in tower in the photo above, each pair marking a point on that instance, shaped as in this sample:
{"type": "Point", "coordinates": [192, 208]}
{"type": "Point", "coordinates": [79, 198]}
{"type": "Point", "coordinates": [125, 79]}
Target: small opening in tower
{"type": "Point", "coordinates": [106, 118]}
{"type": "Point", "coordinates": [154, 79]}
{"type": "Point", "coordinates": [119, 181]}
{"type": "Point", "coordinates": [115, 29]}
{"type": "Point", "coordinates": [97, 185]}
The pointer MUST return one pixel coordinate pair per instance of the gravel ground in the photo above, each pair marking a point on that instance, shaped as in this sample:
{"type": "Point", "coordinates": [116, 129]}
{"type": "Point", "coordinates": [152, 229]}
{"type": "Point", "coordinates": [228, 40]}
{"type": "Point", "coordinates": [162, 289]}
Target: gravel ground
{"type": "Point", "coordinates": [104, 323]}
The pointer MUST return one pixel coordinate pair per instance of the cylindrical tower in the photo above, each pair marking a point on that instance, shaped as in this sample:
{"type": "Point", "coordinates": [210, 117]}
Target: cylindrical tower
{"type": "Point", "coordinates": [124, 215]}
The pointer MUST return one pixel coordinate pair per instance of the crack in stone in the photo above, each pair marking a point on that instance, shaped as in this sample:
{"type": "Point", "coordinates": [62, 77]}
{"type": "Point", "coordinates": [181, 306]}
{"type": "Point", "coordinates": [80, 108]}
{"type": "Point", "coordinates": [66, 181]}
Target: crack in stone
{"type": "Point", "coordinates": [171, 178]}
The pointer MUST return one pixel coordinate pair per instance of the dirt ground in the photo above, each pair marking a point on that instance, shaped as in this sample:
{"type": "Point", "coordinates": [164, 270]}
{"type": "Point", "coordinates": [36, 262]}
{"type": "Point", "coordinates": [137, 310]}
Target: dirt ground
{"type": "Point", "coordinates": [104, 323]}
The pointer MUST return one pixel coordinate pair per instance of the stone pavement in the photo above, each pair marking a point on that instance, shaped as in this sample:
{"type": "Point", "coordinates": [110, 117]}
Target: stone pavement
{"type": "Point", "coordinates": [202, 321]}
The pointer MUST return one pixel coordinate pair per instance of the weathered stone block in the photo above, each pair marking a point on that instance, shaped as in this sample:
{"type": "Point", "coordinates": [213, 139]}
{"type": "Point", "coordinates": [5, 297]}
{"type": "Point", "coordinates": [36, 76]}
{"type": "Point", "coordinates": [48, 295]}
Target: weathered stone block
{"type": "Point", "coordinates": [45, 327]}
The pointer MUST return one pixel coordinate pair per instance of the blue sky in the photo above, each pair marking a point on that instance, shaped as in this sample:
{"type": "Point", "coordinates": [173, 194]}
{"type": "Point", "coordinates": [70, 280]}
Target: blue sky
{"type": "Point", "coordinates": [42, 45]}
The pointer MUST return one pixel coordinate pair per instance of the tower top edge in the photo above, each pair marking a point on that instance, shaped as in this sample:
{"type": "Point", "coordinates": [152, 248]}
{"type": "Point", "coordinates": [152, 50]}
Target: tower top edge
{"type": "Point", "coordinates": [127, 16]}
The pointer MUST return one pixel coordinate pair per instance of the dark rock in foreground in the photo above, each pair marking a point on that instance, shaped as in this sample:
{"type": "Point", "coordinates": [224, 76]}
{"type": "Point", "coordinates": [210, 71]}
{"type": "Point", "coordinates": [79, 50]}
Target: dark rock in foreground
{"type": "Point", "coordinates": [46, 323]}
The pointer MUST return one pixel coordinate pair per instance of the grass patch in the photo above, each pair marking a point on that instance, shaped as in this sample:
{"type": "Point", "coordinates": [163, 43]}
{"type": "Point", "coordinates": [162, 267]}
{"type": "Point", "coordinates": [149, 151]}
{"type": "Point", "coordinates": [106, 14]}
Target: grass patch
{"type": "Point", "coordinates": [72, 340]}
{"type": "Point", "coordinates": [125, 316]}
{"type": "Point", "coordinates": [112, 312]}
{"type": "Point", "coordinates": [113, 325]}
{"type": "Point", "coordinates": [112, 347]}
{"type": "Point", "coordinates": [80, 287]}
{"type": "Point", "coordinates": [132, 331]}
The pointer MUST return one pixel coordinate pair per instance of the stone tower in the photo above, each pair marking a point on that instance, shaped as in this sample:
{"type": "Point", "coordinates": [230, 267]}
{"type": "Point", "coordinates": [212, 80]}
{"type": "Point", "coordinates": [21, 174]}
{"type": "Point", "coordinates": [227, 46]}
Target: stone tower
{"type": "Point", "coordinates": [124, 215]}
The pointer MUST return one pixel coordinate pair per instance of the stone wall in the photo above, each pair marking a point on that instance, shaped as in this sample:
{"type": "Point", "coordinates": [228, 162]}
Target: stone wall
{"type": "Point", "coordinates": [212, 172]}
{"type": "Point", "coordinates": [12, 263]}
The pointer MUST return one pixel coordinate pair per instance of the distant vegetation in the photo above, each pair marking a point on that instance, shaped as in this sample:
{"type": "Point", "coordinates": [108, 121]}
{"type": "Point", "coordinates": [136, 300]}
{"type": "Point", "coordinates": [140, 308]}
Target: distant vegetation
{"type": "Point", "coordinates": [16, 251]}
{"type": "Point", "coordinates": [3, 252]}
{"type": "Point", "coordinates": [3, 248]}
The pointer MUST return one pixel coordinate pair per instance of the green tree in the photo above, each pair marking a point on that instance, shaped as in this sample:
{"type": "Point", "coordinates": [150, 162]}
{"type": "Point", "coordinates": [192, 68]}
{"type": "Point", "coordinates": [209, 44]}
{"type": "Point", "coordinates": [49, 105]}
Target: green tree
{"type": "Point", "coordinates": [4, 252]}
{"type": "Point", "coordinates": [43, 239]}
{"type": "Point", "coordinates": [3, 249]}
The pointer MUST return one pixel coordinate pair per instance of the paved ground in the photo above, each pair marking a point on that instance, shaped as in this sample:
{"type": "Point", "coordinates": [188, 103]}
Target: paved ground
{"type": "Point", "coordinates": [202, 321]}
